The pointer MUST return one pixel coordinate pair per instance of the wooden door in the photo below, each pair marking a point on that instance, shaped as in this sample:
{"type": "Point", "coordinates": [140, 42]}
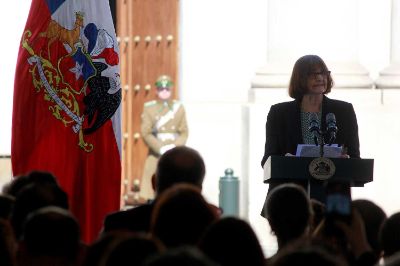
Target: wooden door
{"type": "Point", "coordinates": [148, 35]}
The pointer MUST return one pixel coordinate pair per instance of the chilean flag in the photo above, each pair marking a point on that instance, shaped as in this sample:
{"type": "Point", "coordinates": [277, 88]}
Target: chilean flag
{"type": "Point", "coordinates": [66, 111]}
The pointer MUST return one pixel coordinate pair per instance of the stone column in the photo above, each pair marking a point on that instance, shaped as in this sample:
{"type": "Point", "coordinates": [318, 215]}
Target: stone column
{"type": "Point", "coordinates": [326, 28]}
{"type": "Point", "coordinates": [389, 78]}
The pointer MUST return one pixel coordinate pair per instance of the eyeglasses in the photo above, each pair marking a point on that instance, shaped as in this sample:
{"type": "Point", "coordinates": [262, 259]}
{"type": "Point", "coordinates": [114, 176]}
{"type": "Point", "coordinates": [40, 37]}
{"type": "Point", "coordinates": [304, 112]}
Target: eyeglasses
{"type": "Point", "coordinates": [163, 89]}
{"type": "Point", "coordinates": [322, 73]}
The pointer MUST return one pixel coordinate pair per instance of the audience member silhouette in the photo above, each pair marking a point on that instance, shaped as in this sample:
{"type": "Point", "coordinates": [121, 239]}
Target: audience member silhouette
{"type": "Point", "coordinates": [348, 239]}
{"type": "Point", "coordinates": [133, 250]}
{"type": "Point", "coordinates": [390, 235]}
{"type": "Point", "coordinates": [32, 191]}
{"type": "Point", "coordinates": [19, 199]}
{"type": "Point", "coordinates": [15, 185]}
{"type": "Point", "coordinates": [95, 254]}
{"type": "Point", "coordinates": [32, 197]}
{"type": "Point", "coordinates": [181, 215]}
{"type": "Point", "coordinates": [7, 244]}
{"type": "Point", "coordinates": [50, 236]}
{"type": "Point", "coordinates": [34, 177]}
{"type": "Point", "coordinates": [232, 241]}
{"type": "Point", "coordinates": [178, 165]}
{"type": "Point", "coordinates": [373, 217]}
{"type": "Point", "coordinates": [129, 249]}
{"type": "Point", "coordinates": [289, 213]}
{"type": "Point", "coordinates": [182, 256]}
{"type": "Point", "coordinates": [7, 240]}
{"type": "Point", "coordinates": [6, 206]}
{"type": "Point", "coordinates": [305, 252]}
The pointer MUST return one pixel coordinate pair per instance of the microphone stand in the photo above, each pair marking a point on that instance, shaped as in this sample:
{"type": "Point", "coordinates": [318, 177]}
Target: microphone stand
{"type": "Point", "coordinates": [321, 142]}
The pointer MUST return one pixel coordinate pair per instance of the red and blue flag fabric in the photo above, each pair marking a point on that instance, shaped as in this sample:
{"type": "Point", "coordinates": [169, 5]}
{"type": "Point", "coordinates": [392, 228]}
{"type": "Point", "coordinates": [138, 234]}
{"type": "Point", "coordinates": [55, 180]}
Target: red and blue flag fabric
{"type": "Point", "coordinates": [67, 105]}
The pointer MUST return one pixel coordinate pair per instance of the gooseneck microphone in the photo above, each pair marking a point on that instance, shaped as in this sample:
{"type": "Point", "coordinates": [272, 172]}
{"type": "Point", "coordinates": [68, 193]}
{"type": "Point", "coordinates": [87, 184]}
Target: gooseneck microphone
{"type": "Point", "coordinates": [331, 127]}
{"type": "Point", "coordinates": [314, 127]}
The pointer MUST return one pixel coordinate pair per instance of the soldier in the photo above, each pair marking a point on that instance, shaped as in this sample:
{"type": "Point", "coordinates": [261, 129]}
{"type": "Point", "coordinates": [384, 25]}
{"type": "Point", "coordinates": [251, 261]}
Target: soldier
{"type": "Point", "coordinates": [163, 127]}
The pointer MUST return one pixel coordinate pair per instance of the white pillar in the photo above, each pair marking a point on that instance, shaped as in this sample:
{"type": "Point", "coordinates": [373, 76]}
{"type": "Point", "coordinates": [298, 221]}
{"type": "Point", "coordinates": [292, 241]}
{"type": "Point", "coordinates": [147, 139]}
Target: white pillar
{"type": "Point", "coordinates": [389, 78]}
{"type": "Point", "coordinates": [325, 28]}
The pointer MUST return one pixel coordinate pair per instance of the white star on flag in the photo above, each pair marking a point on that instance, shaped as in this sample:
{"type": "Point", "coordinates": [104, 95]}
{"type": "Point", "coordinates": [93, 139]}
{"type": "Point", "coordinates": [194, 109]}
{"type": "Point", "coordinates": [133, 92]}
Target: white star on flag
{"type": "Point", "coordinates": [77, 70]}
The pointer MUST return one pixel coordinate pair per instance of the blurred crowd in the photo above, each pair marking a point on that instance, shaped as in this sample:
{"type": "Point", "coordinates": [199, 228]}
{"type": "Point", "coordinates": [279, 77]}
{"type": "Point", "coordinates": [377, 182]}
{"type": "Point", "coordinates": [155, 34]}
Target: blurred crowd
{"type": "Point", "coordinates": [179, 227]}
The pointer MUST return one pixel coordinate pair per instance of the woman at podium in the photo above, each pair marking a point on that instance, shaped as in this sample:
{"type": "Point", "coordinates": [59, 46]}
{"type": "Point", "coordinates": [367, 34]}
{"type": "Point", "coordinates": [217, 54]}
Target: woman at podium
{"type": "Point", "coordinates": [310, 113]}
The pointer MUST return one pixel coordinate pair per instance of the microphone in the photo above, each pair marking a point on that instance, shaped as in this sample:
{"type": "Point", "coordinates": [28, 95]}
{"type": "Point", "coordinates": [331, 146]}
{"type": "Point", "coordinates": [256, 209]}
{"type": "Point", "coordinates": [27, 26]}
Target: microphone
{"type": "Point", "coordinates": [314, 127]}
{"type": "Point", "coordinates": [331, 127]}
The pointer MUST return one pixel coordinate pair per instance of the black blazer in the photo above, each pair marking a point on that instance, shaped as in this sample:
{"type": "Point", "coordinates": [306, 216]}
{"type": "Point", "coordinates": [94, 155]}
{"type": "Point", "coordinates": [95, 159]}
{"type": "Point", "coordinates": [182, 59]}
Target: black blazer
{"type": "Point", "coordinates": [136, 219]}
{"type": "Point", "coordinates": [283, 127]}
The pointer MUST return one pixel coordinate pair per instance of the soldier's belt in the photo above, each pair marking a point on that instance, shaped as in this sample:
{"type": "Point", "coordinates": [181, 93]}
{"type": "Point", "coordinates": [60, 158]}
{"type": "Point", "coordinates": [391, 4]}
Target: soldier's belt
{"type": "Point", "coordinates": [166, 136]}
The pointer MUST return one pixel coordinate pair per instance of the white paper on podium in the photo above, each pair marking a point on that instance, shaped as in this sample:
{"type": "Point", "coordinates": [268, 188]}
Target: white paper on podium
{"type": "Point", "coordinates": [309, 150]}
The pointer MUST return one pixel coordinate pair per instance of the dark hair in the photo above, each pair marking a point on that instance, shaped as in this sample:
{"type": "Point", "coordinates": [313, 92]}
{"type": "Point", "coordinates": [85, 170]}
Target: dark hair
{"type": "Point", "coordinates": [390, 235]}
{"type": "Point", "coordinates": [307, 252]}
{"type": "Point", "coordinates": [181, 256]}
{"type": "Point", "coordinates": [33, 177]}
{"type": "Point", "coordinates": [143, 246]}
{"type": "Point", "coordinates": [301, 69]}
{"type": "Point", "coordinates": [232, 241]}
{"type": "Point", "coordinates": [288, 211]}
{"type": "Point", "coordinates": [33, 197]}
{"type": "Point", "coordinates": [6, 206]}
{"type": "Point", "coordinates": [373, 217]}
{"type": "Point", "coordinates": [52, 231]}
{"type": "Point", "coordinates": [180, 165]}
{"type": "Point", "coordinates": [181, 215]}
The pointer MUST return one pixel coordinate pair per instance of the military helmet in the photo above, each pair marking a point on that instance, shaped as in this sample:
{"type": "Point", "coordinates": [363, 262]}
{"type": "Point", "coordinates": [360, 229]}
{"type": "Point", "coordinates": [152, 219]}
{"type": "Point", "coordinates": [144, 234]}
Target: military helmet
{"type": "Point", "coordinates": [164, 81]}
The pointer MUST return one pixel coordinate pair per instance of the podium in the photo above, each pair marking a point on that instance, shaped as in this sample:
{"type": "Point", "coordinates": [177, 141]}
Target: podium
{"type": "Point", "coordinates": [284, 169]}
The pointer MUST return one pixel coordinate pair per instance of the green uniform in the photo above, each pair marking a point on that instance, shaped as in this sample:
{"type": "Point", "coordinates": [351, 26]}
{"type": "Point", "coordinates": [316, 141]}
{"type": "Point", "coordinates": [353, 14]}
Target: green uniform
{"type": "Point", "coordinates": [163, 126]}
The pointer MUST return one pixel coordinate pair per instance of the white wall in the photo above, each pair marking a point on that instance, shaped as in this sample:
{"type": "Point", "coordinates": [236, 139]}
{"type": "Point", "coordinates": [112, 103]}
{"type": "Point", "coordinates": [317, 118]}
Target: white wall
{"type": "Point", "coordinates": [222, 43]}
{"type": "Point", "coordinates": [374, 22]}
{"type": "Point", "coordinates": [12, 18]}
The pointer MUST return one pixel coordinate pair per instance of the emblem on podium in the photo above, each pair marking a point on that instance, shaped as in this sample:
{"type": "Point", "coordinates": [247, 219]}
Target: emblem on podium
{"type": "Point", "coordinates": [321, 168]}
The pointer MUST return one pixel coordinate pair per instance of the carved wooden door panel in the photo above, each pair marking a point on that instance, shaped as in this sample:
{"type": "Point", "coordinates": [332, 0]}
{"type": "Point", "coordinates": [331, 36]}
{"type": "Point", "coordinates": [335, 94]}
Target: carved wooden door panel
{"type": "Point", "coordinates": [148, 39]}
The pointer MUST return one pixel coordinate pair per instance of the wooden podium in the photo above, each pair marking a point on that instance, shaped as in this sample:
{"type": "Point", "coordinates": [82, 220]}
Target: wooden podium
{"type": "Point", "coordinates": [284, 169]}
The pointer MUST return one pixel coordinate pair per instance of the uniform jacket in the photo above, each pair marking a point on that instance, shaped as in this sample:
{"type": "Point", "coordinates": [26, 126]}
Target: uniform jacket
{"type": "Point", "coordinates": [157, 117]}
{"type": "Point", "coordinates": [283, 127]}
